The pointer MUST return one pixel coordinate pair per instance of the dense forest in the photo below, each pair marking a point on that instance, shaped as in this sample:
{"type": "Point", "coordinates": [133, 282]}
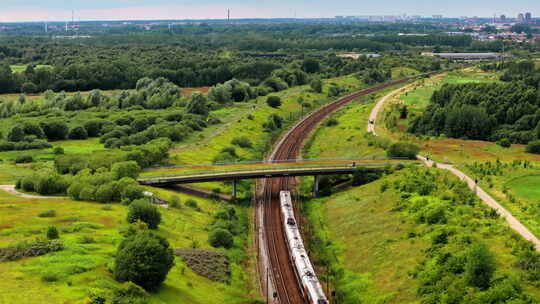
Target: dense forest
{"type": "Point", "coordinates": [506, 110]}
{"type": "Point", "coordinates": [194, 55]}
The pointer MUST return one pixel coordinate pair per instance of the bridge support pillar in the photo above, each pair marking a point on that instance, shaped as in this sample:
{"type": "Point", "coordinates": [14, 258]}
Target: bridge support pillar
{"type": "Point", "coordinates": [316, 185]}
{"type": "Point", "coordinates": [234, 188]}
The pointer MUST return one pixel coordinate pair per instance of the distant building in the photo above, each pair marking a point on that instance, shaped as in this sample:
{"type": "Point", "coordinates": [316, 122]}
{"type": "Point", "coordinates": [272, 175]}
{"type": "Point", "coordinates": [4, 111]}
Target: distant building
{"type": "Point", "coordinates": [528, 17]}
{"type": "Point", "coordinates": [437, 16]}
{"type": "Point", "coordinates": [521, 18]}
{"type": "Point", "coordinates": [503, 18]}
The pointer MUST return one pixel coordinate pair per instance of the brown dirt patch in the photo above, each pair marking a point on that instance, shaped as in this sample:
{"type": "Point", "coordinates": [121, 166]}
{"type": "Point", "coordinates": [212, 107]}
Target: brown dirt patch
{"type": "Point", "coordinates": [209, 264]}
{"type": "Point", "coordinates": [189, 91]}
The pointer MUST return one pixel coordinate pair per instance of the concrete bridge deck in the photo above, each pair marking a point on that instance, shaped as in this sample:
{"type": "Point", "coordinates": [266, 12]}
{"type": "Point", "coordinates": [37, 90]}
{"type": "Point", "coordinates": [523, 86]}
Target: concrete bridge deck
{"type": "Point", "coordinates": [270, 171]}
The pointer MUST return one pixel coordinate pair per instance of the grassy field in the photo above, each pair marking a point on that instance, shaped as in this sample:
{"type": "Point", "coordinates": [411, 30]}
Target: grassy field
{"type": "Point", "coordinates": [82, 267]}
{"type": "Point", "coordinates": [22, 67]}
{"type": "Point", "coordinates": [383, 246]}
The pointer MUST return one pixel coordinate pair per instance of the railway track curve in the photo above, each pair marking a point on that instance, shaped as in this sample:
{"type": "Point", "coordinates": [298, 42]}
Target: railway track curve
{"type": "Point", "coordinates": [278, 275]}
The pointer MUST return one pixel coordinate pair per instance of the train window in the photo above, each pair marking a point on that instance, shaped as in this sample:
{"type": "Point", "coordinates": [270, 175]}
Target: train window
{"type": "Point", "coordinates": [290, 221]}
{"type": "Point", "coordinates": [322, 301]}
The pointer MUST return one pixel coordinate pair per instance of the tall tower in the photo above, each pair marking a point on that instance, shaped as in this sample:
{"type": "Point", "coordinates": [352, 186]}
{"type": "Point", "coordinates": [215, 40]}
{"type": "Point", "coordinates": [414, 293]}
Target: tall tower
{"type": "Point", "coordinates": [229, 15]}
{"type": "Point", "coordinates": [528, 17]}
{"type": "Point", "coordinates": [521, 18]}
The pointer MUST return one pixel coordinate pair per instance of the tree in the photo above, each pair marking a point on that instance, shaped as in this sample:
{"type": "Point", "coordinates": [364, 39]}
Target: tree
{"type": "Point", "coordinates": [316, 85]}
{"type": "Point", "coordinates": [480, 266]}
{"type": "Point", "coordinates": [197, 104]}
{"type": "Point", "coordinates": [29, 88]}
{"type": "Point", "coordinates": [55, 130]}
{"type": "Point", "coordinates": [311, 66]}
{"type": "Point", "coordinates": [533, 147]}
{"type": "Point", "coordinates": [144, 259]}
{"type": "Point", "coordinates": [78, 132]}
{"type": "Point", "coordinates": [52, 233]}
{"type": "Point", "coordinates": [274, 101]}
{"type": "Point", "coordinates": [125, 169]}
{"type": "Point", "coordinates": [16, 133]}
{"type": "Point", "coordinates": [142, 210]}
{"type": "Point", "coordinates": [105, 193]}
{"type": "Point", "coordinates": [402, 149]}
{"type": "Point", "coordinates": [221, 238]}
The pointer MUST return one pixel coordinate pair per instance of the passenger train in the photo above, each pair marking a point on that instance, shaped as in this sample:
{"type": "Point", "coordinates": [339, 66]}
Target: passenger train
{"type": "Point", "coordinates": [299, 258]}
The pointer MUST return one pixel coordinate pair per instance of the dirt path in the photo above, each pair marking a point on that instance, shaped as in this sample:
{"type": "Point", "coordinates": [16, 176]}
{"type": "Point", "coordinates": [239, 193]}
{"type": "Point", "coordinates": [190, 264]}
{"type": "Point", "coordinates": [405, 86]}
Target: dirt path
{"type": "Point", "coordinates": [514, 223]}
{"type": "Point", "coordinates": [11, 190]}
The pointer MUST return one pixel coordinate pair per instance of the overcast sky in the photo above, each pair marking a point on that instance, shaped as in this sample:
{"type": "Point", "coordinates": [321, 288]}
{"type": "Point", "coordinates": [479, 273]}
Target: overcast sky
{"type": "Point", "coordinates": [50, 10]}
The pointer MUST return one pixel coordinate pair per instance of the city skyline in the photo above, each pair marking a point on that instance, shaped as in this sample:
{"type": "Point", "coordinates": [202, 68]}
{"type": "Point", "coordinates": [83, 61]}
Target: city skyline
{"type": "Point", "coordinates": [59, 10]}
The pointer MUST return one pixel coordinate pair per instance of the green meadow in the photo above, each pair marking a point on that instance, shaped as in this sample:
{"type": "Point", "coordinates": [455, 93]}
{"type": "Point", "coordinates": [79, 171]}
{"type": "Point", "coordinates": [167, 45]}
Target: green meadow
{"type": "Point", "coordinates": [91, 233]}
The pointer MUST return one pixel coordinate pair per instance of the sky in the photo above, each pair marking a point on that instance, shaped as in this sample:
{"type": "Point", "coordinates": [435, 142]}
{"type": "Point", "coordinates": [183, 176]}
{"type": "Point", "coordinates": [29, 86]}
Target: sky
{"type": "Point", "coordinates": [59, 10]}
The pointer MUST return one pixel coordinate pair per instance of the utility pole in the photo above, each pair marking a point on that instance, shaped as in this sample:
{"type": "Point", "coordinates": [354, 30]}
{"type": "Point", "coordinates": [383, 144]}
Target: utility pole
{"type": "Point", "coordinates": [228, 15]}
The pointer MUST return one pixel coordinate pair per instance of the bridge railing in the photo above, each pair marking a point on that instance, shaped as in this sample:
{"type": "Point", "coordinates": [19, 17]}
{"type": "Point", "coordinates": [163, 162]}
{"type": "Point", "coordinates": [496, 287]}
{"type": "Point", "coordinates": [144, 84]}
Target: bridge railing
{"type": "Point", "coordinates": [263, 170]}
{"type": "Point", "coordinates": [275, 162]}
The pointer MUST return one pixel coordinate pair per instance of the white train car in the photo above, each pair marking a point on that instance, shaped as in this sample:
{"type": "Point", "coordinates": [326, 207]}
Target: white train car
{"type": "Point", "coordinates": [304, 269]}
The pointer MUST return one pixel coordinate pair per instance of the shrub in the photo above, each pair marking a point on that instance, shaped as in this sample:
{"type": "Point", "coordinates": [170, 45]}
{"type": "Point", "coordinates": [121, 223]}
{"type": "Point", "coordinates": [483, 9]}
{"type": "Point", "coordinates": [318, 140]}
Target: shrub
{"type": "Point", "coordinates": [331, 122]}
{"type": "Point", "coordinates": [174, 202]}
{"type": "Point", "coordinates": [58, 150]}
{"type": "Point", "coordinates": [125, 169]}
{"type": "Point", "coordinates": [242, 142]}
{"type": "Point", "coordinates": [105, 193]}
{"type": "Point", "coordinates": [221, 238]}
{"type": "Point", "coordinates": [142, 210]}
{"type": "Point", "coordinates": [316, 85]}
{"type": "Point", "coordinates": [131, 193]}
{"type": "Point", "coordinates": [49, 213]}
{"type": "Point", "coordinates": [191, 203]}
{"type": "Point", "coordinates": [533, 147]}
{"type": "Point", "coordinates": [52, 233]}
{"type": "Point", "coordinates": [24, 159]}
{"type": "Point", "coordinates": [144, 259]}
{"type": "Point", "coordinates": [505, 143]}
{"type": "Point", "coordinates": [23, 250]}
{"type": "Point", "coordinates": [87, 193]}
{"type": "Point", "coordinates": [78, 132]}
{"type": "Point", "coordinates": [402, 149]}
{"type": "Point", "coordinates": [480, 266]}
{"type": "Point", "coordinates": [273, 101]}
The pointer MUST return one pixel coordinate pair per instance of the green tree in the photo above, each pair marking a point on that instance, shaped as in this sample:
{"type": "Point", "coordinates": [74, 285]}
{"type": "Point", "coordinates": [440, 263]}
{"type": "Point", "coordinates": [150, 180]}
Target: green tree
{"type": "Point", "coordinates": [221, 238]}
{"type": "Point", "coordinates": [197, 104]}
{"type": "Point", "coordinates": [480, 266]}
{"type": "Point", "coordinates": [273, 101]}
{"type": "Point", "coordinates": [16, 133]}
{"type": "Point", "coordinates": [52, 233]}
{"type": "Point", "coordinates": [316, 85]}
{"type": "Point", "coordinates": [142, 210]}
{"type": "Point", "coordinates": [125, 169]}
{"type": "Point", "coordinates": [78, 132]}
{"type": "Point", "coordinates": [403, 149]}
{"type": "Point", "coordinates": [144, 259]}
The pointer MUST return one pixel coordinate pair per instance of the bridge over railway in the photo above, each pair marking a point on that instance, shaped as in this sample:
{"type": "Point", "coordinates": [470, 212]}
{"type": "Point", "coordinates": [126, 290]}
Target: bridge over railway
{"type": "Point", "coordinates": [234, 172]}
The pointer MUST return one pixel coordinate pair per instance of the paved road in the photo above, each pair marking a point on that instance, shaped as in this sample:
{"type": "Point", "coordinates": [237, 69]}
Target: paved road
{"type": "Point", "coordinates": [483, 195]}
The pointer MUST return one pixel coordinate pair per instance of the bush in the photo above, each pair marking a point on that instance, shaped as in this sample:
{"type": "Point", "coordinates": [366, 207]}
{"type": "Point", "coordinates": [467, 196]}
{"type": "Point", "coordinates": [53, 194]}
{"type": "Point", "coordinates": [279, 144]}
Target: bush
{"type": "Point", "coordinates": [402, 149]}
{"type": "Point", "coordinates": [274, 101]}
{"type": "Point", "coordinates": [242, 142]}
{"type": "Point", "coordinates": [174, 202]}
{"type": "Point", "coordinates": [480, 266]}
{"type": "Point", "coordinates": [505, 143]}
{"type": "Point", "coordinates": [24, 250]}
{"type": "Point", "coordinates": [221, 238]}
{"type": "Point", "coordinates": [331, 122]}
{"type": "Point", "coordinates": [78, 132]}
{"type": "Point", "coordinates": [142, 210]}
{"type": "Point", "coordinates": [144, 259]}
{"type": "Point", "coordinates": [24, 159]}
{"type": "Point", "coordinates": [52, 233]}
{"type": "Point", "coordinates": [87, 193]}
{"type": "Point", "coordinates": [58, 150]}
{"type": "Point", "coordinates": [125, 169]}
{"type": "Point", "coordinates": [191, 203]}
{"type": "Point", "coordinates": [533, 147]}
{"type": "Point", "coordinates": [49, 213]}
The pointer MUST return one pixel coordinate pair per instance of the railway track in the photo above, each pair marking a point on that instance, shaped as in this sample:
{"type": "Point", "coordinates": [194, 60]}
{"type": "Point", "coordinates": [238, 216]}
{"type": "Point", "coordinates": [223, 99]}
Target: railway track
{"type": "Point", "coordinates": [283, 274]}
